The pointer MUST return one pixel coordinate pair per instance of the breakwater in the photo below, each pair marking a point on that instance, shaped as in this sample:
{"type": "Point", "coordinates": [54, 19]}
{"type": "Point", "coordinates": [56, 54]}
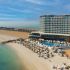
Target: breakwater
{"type": "Point", "coordinates": [4, 38]}
{"type": "Point", "coordinates": [20, 40]}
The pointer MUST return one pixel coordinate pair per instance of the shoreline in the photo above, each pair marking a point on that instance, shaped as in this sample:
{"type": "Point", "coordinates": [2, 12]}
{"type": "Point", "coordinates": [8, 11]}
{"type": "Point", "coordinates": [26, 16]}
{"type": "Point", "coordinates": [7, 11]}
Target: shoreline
{"type": "Point", "coordinates": [29, 59]}
{"type": "Point", "coordinates": [21, 65]}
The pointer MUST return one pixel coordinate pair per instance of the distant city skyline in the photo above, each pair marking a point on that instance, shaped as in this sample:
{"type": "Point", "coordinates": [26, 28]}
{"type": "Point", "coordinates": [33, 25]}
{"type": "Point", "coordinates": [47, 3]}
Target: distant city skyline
{"type": "Point", "coordinates": [27, 12]}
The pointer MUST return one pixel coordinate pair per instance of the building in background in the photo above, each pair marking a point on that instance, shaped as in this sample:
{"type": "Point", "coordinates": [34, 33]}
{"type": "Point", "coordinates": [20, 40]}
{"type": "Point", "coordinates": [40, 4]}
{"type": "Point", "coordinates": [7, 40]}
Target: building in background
{"type": "Point", "coordinates": [55, 24]}
{"type": "Point", "coordinates": [53, 27]}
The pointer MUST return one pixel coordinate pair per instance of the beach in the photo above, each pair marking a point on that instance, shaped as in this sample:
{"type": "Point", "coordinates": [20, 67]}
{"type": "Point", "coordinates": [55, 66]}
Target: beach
{"type": "Point", "coordinates": [17, 34]}
{"type": "Point", "coordinates": [31, 61]}
{"type": "Point", "coordinates": [28, 59]}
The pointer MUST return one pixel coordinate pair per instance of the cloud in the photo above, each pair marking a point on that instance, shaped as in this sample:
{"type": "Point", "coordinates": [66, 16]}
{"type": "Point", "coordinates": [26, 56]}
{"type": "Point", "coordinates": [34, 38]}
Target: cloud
{"type": "Point", "coordinates": [21, 24]}
{"type": "Point", "coordinates": [20, 10]}
{"type": "Point", "coordinates": [52, 2]}
{"type": "Point", "coordinates": [6, 15]}
{"type": "Point", "coordinates": [10, 19]}
{"type": "Point", "coordinates": [67, 7]}
{"type": "Point", "coordinates": [29, 8]}
{"type": "Point", "coordinates": [45, 2]}
{"type": "Point", "coordinates": [35, 1]}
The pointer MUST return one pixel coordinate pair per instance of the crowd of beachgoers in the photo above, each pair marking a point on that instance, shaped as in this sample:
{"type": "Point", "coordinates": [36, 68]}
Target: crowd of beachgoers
{"type": "Point", "coordinates": [46, 52]}
{"type": "Point", "coordinates": [43, 50]}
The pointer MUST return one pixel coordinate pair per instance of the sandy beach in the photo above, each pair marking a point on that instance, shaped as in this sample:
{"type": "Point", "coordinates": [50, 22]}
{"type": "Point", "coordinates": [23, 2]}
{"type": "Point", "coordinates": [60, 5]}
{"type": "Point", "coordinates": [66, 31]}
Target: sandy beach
{"type": "Point", "coordinates": [29, 59]}
{"type": "Point", "coordinates": [23, 35]}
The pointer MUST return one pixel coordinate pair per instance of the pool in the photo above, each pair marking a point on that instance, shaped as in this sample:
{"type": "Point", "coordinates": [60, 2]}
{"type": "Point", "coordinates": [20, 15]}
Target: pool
{"type": "Point", "coordinates": [51, 44]}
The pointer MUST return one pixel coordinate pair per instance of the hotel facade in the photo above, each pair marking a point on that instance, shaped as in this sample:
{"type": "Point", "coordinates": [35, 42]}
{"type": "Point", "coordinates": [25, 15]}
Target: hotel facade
{"type": "Point", "coordinates": [55, 24]}
{"type": "Point", "coordinates": [54, 27]}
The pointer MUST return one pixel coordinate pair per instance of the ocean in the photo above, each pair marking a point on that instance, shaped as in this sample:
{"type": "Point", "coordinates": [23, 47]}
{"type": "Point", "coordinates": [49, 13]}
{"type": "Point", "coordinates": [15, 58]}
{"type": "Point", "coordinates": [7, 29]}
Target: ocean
{"type": "Point", "coordinates": [8, 59]}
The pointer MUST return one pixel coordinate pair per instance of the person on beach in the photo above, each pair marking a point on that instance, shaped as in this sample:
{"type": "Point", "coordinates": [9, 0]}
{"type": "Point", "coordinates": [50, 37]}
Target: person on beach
{"type": "Point", "coordinates": [67, 56]}
{"type": "Point", "coordinates": [52, 54]}
{"type": "Point", "coordinates": [63, 66]}
{"type": "Point", "coordinates": [56, 67]}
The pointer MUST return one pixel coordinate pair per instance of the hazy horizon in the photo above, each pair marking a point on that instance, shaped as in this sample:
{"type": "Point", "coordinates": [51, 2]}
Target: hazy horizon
{"type": "Point", "coordinates": [18, 24]}
{"type": "Point", "coordinates": [26, 13]}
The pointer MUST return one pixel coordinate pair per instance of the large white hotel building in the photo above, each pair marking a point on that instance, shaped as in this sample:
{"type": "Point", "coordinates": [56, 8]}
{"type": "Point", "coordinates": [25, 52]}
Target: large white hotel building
{"type": "Point", "coordinates": [55, 24]}
{"type": "Point", "coordinates": [54, 27]}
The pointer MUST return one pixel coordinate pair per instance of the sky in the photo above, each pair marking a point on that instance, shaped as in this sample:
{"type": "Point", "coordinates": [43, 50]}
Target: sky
{"type": "Point", "coordinates": [27, 12]}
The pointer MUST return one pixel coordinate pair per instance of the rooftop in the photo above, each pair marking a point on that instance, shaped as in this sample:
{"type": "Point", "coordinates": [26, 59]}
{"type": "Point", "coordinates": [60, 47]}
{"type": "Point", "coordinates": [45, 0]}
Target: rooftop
{"type": "Point", "coordinates": [53, 15]}
{"type": "Point", "coordinates": [51, 33]}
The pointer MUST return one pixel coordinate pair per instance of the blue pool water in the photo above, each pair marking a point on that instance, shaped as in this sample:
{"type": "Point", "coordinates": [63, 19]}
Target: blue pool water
{"type": "Point", "coordinates": [51, 44]}
{"type": "Point", "coordinates": [47, 43]}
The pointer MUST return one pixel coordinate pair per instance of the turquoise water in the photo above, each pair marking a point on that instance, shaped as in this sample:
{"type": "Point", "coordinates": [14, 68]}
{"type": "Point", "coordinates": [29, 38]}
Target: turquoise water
{"type": "Point", "coordinates": [47, 43]}
{"type": "Point", "coordinates": [51, 44]}
{"type": "Point", "coordinates": [8, 59]}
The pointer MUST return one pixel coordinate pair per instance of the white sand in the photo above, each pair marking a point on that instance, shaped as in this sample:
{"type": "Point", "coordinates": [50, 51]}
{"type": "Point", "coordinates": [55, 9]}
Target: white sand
{"type": "Point", "coordinates": [29, 59]}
